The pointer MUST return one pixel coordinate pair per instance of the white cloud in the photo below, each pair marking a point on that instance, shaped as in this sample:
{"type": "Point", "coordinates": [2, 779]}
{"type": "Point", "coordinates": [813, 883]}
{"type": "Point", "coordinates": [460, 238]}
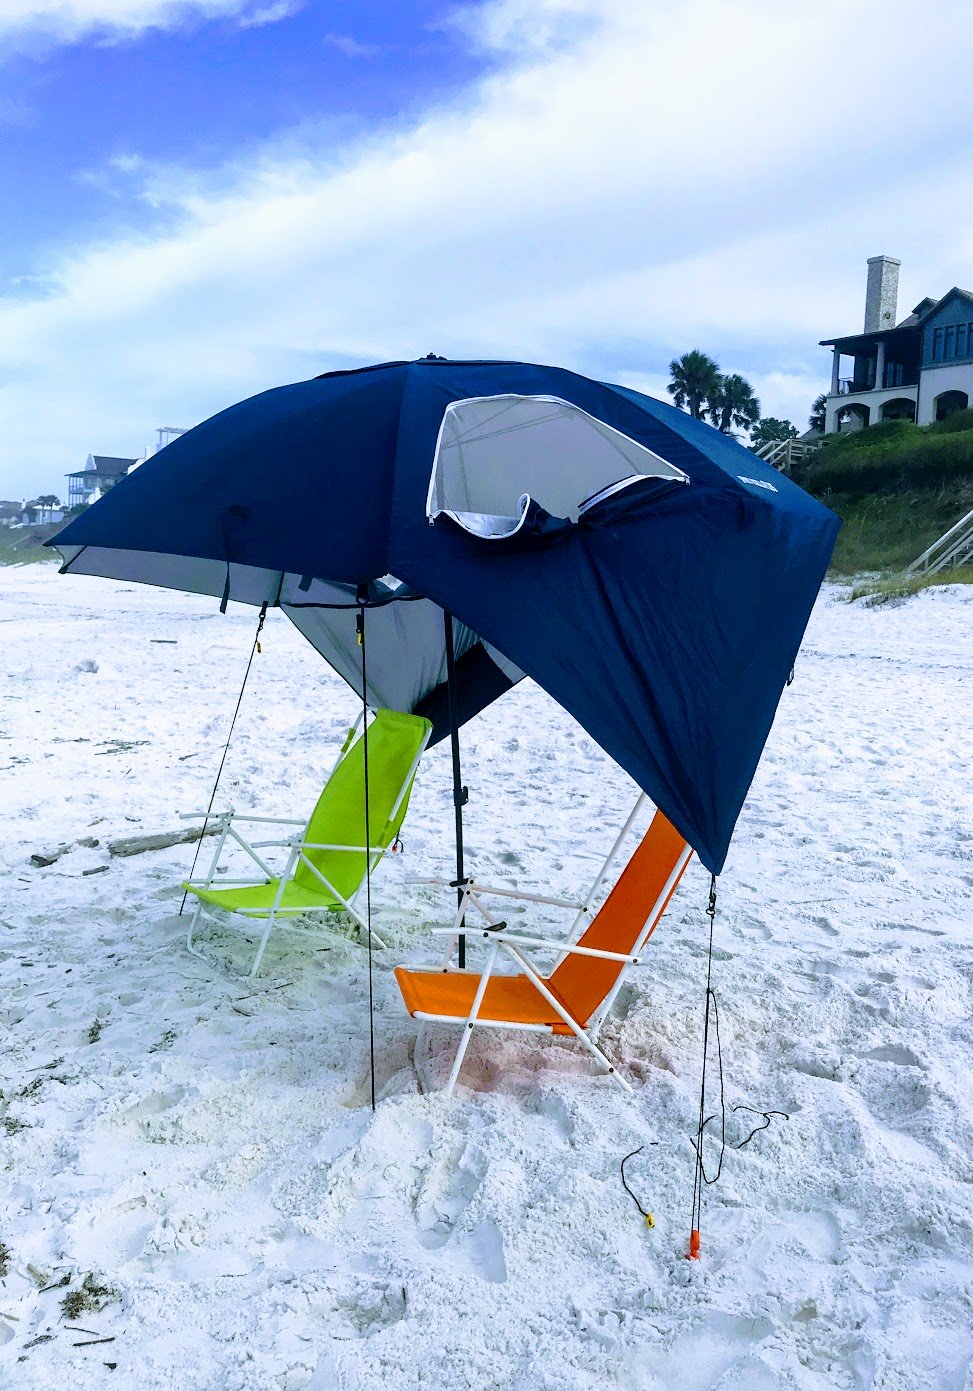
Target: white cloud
{"type": "Point", "coordinates": [523, 28]}
{"type": "Point", "coordinates": [70, 20]}
{"type": "Point", "coordinates": [671, 178]}
{"type": "Point", "coordinates": [269, 14]}
{"type": "Point", "coordinates": [350, 46]}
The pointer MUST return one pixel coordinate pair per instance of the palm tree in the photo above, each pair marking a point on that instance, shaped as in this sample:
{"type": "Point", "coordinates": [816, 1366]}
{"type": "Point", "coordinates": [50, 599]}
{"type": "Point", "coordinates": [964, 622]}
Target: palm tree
{"type": "Point", "coordinates": [733, 404]}
{"type": "Point", "coordinates": [695, 379]}
{"type": "Point", "coordinates": [816, 418]}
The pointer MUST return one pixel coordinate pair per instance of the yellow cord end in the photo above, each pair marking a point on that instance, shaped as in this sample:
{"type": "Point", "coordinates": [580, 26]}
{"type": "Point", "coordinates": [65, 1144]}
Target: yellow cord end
{"type": "Point", "coordinates": [649, 1220]}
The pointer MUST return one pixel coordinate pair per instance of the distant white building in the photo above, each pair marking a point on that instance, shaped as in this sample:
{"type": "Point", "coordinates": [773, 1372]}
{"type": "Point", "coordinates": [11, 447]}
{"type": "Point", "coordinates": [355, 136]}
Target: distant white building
{"type": "Point", "coordinates": [166, 434]}
{"type": "Point", "coordinates": [29, 513]}
{"type": "Point", "coordinates": [102, 471]}
{"type": "Point", "coordinates": [919, 369]}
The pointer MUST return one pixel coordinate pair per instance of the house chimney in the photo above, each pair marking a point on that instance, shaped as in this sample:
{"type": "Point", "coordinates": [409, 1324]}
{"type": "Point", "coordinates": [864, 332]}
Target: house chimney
{"type": "Point", "coordinates": [881, 293]}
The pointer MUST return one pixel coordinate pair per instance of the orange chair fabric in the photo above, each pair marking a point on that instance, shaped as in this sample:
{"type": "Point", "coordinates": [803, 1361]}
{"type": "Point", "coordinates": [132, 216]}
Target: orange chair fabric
{"type": "Point", "coordinates": [580, 983]}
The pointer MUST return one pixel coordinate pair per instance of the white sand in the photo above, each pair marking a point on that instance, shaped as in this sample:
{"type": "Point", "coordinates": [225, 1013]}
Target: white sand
{"type": "Point", "coordinates": [211, 1154]}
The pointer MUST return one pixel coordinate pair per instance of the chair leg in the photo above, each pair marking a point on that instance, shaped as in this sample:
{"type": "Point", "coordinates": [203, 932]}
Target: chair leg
{"type": "Point", "coordinates": [464, 1042]}
{"type": "Point", "coordinates": [193, 922]}
{"type": "Point", "coordinates": [605, 1061]}
{"type": "Point", "coordinates": [363, 936]}
{"type": "Point", "coordinates": [572, 1024]}
{"type": "Point", "coordinates": [420, 1059]}
{"type": "Point", "coordinates": [262, 947]}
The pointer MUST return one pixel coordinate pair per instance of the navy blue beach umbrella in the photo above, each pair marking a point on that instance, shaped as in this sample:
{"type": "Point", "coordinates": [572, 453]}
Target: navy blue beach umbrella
{"type": "Point", "coordinates": [650, 573]}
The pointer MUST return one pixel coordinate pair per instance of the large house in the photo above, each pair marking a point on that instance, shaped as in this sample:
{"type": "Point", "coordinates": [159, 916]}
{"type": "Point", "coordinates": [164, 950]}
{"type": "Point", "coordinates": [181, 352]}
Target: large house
{"type": "Point", "coordinates": [919, 369]}
{"type": "Point", "coordinates": [100, 473]}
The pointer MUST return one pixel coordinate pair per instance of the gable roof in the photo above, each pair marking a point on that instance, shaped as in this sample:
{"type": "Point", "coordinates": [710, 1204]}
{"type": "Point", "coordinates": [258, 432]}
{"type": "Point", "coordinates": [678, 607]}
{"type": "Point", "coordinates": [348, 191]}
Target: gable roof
{"type": "Point", "coordinates": [952, 294]}
{"type": "Point", "coordinates": [108, 464]}
{"type": "Point", "coordinates": [912, 319]}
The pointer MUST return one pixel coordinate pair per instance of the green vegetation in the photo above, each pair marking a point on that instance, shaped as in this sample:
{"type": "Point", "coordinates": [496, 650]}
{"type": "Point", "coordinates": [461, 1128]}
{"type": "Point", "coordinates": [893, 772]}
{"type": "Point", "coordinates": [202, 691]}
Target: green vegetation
{"type": "Point", "coordinates": [886, 531]}
{"type": "Point", "coordinates": [733, 405]}
{"type": "Point", "coordinates": [695, 378]}
{"type": "Point", "coordinates": [25, 545]}
{"type": "Point", "coordinates": [768, 428]}
{"type": "Point", "coordinates": [89, 1298]}
{"type": "Point", "coordinates": [891, 457]}
{"type": "Point", "coordinates": [897, 487]}
{"type": "Point", "coordinates": [697, 385]}
{"type": "Point", "coordinates": [885, 588]}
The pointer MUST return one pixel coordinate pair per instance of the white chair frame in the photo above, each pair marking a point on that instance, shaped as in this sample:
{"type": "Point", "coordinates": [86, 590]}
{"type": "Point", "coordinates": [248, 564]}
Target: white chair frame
{"type": "Point", "coordinates": [500, 937]}
{"type": "Point", "coordinates": [296, 846]}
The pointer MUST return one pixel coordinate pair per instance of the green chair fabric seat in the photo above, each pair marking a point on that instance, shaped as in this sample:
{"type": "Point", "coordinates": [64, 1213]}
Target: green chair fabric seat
{"type": "Point", "coordinates": [328, 858]}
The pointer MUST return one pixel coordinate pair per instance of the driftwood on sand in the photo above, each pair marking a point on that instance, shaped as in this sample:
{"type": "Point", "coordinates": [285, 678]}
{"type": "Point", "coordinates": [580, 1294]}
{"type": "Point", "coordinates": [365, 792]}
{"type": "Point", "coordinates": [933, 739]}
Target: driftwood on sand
{"type": "Point", "coordinates": [126, 845]}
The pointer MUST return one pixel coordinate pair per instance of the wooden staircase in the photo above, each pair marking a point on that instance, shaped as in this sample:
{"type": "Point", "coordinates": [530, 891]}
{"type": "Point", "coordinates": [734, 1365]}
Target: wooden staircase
{"type": "Point", "coordinates": [954, 547]}
{"type": "Point", "coordinates": [781, 454]}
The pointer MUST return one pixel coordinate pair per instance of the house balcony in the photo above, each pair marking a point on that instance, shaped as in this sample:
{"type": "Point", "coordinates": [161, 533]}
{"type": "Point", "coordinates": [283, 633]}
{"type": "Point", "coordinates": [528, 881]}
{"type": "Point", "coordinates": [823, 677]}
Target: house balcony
{"type": "Point", "coordinates": [895, 376]}
{"type": "Point", "coordinates": [856, 405]}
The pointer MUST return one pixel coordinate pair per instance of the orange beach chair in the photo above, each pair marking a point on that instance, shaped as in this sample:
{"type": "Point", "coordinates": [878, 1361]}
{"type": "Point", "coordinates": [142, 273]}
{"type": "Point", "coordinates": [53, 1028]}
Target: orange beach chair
{"type": "Point", "coordinates": [579, 992]}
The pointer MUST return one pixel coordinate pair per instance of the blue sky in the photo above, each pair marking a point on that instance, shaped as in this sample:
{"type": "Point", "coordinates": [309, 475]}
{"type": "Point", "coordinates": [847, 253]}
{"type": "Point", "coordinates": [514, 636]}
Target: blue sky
{"type": "Point", "coordinates": [204, 198]}
{"type": "Point", "coordinates": [83, 118]}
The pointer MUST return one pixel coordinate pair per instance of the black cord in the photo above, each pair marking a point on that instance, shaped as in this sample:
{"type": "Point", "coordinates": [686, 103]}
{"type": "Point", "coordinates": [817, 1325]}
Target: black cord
{"type": "Point", "coordinates": [368, 851]}
{"type": "Point", "coordinates": [226, 747]}
{"type": "Point", "coordinates": [767, 1115]}
{"type": "Point", "coordinates": [699, 1177]}
{"type": "Point", "coordinates": [647, 1215]}
{"type": "Point", "coordinates": [697, 1143]}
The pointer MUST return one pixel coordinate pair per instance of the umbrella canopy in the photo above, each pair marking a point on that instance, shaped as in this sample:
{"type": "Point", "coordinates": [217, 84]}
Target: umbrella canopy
{"type": "Point", "coordinates": [650, 573]}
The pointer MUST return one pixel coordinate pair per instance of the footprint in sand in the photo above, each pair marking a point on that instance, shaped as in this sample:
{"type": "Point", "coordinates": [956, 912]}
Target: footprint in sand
{"type": "Point", "coordinates": [449, 1187]}
{"type": "Point", "coordinates": [481, 1251]}
{"type": "Point", "coordinates": [443, 1201]}
{"type": "Point", "coordinates": [720, 1351]}
{"type": "Point", "coordinates": [894, 1053]}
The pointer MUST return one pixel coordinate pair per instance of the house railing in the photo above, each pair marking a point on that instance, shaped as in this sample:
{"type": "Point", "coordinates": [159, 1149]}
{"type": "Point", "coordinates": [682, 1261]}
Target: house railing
{"type": "Point", "coordinates": [781, 454]}
{"type": "Point", "coordinates": [852, 386]}
{"type": "Point", "coordinates": [954, 547]}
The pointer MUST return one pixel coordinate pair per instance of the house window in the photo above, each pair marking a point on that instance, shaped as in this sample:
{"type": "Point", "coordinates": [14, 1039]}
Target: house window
{"type": "Point", "coordinates": [949, 342]}
{"type": "Point", "coordinates": [937, 344]}
{"type": "Point", "coordinates": [961, 340]}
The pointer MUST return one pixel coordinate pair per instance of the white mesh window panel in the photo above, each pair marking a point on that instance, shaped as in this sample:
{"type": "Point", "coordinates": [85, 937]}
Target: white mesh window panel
{"type": "Point", "coordinates": [495, 454]}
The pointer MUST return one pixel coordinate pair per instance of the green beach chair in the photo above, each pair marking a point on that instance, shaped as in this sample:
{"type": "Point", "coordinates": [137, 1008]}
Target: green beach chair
{"type": "Point", "coordinates": [326, 860]}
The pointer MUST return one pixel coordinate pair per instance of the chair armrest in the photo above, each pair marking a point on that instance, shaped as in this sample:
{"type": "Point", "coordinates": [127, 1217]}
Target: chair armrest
{"type": "Point", "coordinates": [270, 820]}
{"type": "Point", "coordinates": [518, 939]}
{"type": "Point", "coordinates": [476, 888]}
{"type": "Point", "coordinates": [315, 845]}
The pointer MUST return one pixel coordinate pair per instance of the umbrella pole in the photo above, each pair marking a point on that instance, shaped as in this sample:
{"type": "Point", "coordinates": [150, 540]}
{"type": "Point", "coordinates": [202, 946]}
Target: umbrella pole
{"type": "Point", "coordinates": [460, 794]}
